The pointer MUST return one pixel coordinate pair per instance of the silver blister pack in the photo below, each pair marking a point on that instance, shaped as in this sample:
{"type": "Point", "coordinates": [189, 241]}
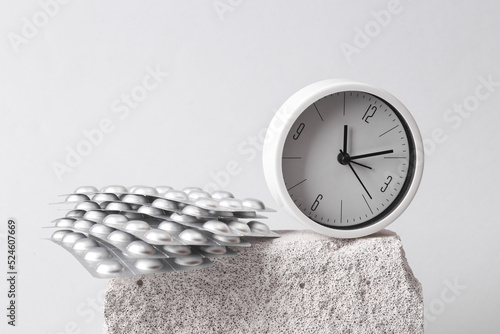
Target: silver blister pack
{"type": "Point", "coordinates": [220, 200]}
{"type": "Point", "coordinates": [155, 232]}
{"type": "Point", "coordinates": [139, 245]}
{"type": "Point", "coordinates": [105, 261]}
{"type": "Point", "coordinates": [172, 229]}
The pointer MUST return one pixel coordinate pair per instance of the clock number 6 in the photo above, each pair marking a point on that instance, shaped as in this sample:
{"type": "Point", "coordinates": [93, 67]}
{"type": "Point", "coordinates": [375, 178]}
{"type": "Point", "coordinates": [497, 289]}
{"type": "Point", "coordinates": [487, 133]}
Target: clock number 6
{"type": "Point", "coordinates": [299, 131]}
{"type": "Point", "coordinates": [386, 184]}
{"type": "Point", "coordinates": [316, 202]}
{"type": "Point", "coordinates": [366, 115]}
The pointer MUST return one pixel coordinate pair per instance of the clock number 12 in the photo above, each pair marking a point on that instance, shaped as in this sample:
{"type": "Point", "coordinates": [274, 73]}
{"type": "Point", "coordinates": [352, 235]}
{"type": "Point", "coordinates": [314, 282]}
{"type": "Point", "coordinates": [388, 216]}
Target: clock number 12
{"type": "Point", "coordinates": [316, 202]}
{"type": "Point", "coordinates": [369, 114]}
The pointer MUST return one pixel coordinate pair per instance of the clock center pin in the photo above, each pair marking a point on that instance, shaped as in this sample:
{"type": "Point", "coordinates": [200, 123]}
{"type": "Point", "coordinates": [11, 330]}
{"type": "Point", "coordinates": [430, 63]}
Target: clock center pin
{"type": "Point", "coordinates": [343, 158]}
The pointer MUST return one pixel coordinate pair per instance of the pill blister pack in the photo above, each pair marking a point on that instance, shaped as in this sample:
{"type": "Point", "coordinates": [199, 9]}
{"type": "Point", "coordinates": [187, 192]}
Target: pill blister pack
{"type": "Point", "coordinates": [117, 231]}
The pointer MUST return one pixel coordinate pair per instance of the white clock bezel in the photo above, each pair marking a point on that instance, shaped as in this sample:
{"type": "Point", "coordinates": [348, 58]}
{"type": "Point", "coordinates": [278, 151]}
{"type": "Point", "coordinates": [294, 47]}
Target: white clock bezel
{"type": "Point", "coordinates": [280, 127]}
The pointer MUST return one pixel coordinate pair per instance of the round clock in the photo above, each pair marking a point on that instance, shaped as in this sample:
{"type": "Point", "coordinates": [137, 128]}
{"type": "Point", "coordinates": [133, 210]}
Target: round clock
{"type": "Point", "coordinates": [344, 158]}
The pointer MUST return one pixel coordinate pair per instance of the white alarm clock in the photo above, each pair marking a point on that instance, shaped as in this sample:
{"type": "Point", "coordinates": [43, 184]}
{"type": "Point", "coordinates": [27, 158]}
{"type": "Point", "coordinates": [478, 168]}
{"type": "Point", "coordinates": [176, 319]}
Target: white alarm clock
{"type": "Point", "coordinates": [344, 158]}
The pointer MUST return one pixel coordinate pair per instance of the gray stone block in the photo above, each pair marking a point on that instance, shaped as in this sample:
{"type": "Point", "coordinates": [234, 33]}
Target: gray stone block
{"type": "Point", "coordinates": [302, 282]}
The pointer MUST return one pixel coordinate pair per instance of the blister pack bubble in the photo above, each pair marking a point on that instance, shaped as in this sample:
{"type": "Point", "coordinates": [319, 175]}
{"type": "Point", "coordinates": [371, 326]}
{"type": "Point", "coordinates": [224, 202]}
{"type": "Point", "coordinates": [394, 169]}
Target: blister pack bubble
{"type": "Point", "coordinates": [142, 229]}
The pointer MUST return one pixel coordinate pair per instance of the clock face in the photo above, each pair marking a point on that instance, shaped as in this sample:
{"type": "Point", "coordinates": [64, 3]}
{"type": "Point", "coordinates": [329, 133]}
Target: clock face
{"type": "Point", "coordinates": [348, 160]}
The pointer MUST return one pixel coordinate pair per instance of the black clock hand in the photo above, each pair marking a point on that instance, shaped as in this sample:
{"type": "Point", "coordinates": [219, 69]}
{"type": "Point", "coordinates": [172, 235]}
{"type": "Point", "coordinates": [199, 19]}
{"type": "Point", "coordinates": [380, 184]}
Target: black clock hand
{"type": "Point", "coordinates": [345, 139]}
{"type": "Point", "coordinates": [360, 181]}
{"type": "Point", "coordinates": [356, 174]}
{"type": "Point", "coordinates": [357, 163]}
{"type": "Point", "coordinates": [371, 154]}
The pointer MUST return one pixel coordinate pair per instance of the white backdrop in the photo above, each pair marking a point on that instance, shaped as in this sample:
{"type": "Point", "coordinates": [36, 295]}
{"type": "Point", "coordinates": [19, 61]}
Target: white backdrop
{"type": "Point", "coordinates": [180, 91]}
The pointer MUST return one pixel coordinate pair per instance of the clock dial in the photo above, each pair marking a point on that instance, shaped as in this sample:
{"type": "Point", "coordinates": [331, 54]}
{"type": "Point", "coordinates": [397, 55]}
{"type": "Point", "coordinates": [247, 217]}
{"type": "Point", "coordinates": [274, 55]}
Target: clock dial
{"type": "Point", "coordinates": [348, 160]}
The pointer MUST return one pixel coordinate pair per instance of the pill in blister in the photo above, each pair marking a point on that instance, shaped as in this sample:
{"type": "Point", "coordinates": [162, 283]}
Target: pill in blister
{"type": "Point", "coordinates": [181, 250]}
{"type": "Point", "coordinates": [162, 189]}
{"type": "Point", "coordinates": [134, 199]}
{"type": "Point", "coordinates": [216, 226]}
{"type": "Point", "coordinates": [170, 226]}
{"type": "Point", "coordinates": [95, 215]}
{"type": "Point", "coordinates": [83, 224]}
{"type": "Point", "coordinates": [136, 226]}
{"type": "Point", "coordinates": [258, 227]}
{"type": "Point", "coordinates": [176, 195]}
{"type": "Point", "coordinates": [220, 194]}
{"type": "Point", "coordinates": [188, 261]}
{"type": "Point", "coordinates": [179, 218]}
{"type": "Point", "coordinates": [187, 190]}
{"type": "Point", "coordinates": [85, 244]}
{"type": "Point", "coordinates": [253, 203]}
{"type": "Point", "coordinates": [149, 265]}
{"type": "Point", "coordinates": [145, 190]}
{"type": "Point", "coordinates": [108, 197]}
{"type": "Point", "coordinates": [214, 249]}
{"type": "Point", "coordinates": [151, 211]}
{"type": "Point", "coordinates": [70, 238]}
{"type": "Point", "coordinates": [115, 220]}
{"type": "Point", "coordinates": [75, 213]}
{"type": "Point", "coordinates": [164, 204]}
{"type": "Point", "coordinates": [120, 237]}
{"type": "Point", "coordinates": [86, 190]}
{"type": "Point", "coordinates": [109, 267]}
{"type": "Point", "coordinates": [76, 198]}
{"type": "Point", "coordinates": [140, 247]}
{"type": "Point", "coordinates": [118, 206]}
{"type": "Point", "coordinates": [132, 188]}
{"type": "Point", "coordinates": [239, 227]}
{"type": "Point", "coordinates": [231, 203]}
{"type": "Point", "coordinates": [158, 236]}
{"type": "Point", "coordinates": [197, 194]}
{"type": "Point", "coordinates": [195, 211]}
{"type": "Point", "coordinates": [97, 254]}
{"type": "Point", "coordinates": [101, 229]}
{"type": "Point", "coordinates": [59, 235]}
{"type": "Point", "coordinates": [87, 205]}
{"type": "Point", "coordinates": [207, 203]}
{"type": "Point", "coordinates": [228, 239]}
{"type": "Point", "coordinates": [64, 222]}
{"type": "Point", "coordinates": [192, 235]}
{"type": "Point", "coordinates": [114, 189]}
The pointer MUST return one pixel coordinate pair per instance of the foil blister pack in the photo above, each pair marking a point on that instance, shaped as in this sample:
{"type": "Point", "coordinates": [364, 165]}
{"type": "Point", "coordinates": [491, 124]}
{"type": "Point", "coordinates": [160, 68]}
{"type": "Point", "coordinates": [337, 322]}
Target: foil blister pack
{"type": "Point", "coordinates": [143, 230]}
{"type": "Point", "coordinates": [105, 261]}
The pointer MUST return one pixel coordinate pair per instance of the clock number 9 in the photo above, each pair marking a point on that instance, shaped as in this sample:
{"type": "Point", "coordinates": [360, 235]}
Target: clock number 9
{"type": "Point", "coordinates": [299, 131]}
{"type": "Point", "coordinates": [386, 184]}
{"type": "Point", "coordinates": [316, 202]}
{"type": "Point", "coordinates": [366, 115]}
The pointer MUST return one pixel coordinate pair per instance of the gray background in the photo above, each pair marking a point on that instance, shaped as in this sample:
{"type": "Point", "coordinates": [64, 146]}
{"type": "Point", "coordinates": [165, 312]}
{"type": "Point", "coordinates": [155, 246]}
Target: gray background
{"type": "Point", "coordinates": [229, 70]}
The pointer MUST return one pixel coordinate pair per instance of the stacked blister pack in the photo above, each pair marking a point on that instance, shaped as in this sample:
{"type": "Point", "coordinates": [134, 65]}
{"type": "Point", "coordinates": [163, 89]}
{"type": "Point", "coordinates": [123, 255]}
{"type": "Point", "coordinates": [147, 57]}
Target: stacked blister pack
{"type": "Point", "coordinates": [118, 231]}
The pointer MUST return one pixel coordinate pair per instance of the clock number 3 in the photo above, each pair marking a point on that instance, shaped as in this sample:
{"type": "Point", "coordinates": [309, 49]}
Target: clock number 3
{"type": "Point", "coordinates": [299, 131]}
{"type": "Point", "coordinates": [316, 202]}
{"type": "Point", "coordinates": [386, 184]}
{"type": "Point", "coordinates": [367, 114]}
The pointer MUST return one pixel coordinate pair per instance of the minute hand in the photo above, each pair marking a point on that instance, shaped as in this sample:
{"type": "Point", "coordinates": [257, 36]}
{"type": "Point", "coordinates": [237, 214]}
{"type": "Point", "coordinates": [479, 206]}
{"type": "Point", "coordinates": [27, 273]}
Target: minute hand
{"type": "Point", "coordinates": [371, 154]}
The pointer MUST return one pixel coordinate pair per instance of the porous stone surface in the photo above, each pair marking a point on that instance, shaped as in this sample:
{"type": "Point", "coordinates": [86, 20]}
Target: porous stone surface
{"type": "Point", "coordinates": [302, 282]}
